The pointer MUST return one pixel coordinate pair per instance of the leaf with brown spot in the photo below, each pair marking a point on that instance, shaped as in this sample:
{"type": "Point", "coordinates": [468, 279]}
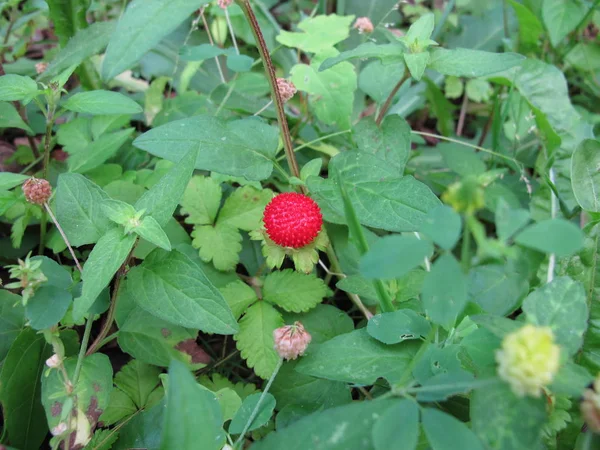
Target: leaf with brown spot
{"type": "Point", "coordinates": [191, 348]}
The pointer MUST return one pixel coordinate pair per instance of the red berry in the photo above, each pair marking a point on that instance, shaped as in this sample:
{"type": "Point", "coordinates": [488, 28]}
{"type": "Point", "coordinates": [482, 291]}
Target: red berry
{"type": "Point", "coordinates": [292, 220]}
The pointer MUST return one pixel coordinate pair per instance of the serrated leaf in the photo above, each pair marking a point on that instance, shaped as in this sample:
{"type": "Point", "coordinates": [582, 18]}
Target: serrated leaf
{"type": "Point", "coordinates": [244, 208]}
{"type": "Point", "coordinates": [120, 406]}
{"type": "Point", "coordinates": [331, 92]}
{"type": "Point", "coordinates": [220, 244]}
{"type": "Point", "coordinates": [16, 88]}
{"type": "Point", "coordinates": [201, 200]}
{"type": "Point", "coordinates": [171, 286]}
{"type": "Point", "coordinates": [102, 102]}
{"type": "Point", "coordinates": [561, 305]}
{"type": "Point", "coordinates": [356, 357]}
{"type": "Point", "coordinates": [68, 16]}
{"type": "Point", "coordinates": [387, 53]}
{"type": "Point", "coordinates": [143, 25]}
{"type": "Point", "coordinates": [137, 380]}
{"type": "Point", "coordinates": [238, 296]}
{"type": "Point", "coordinates": [218, 382]}
{"type": "Point", "coordinates": [9, 180]}
{"type": "Point", "coordinates": [462, 62]}
{"type": "Point", "coordinates": [10, 118]}
{"type": "Point", "coordinates": [150, 230]}
{"type": "Point", "coordinates": [318, 33]}
{"type": "Point", "coordinates": [255, 340]}
{"type": "Point", "coordinates": [294, 291]}
{"type": "Point", "coordinates": [240, 147]}
{"type": "Point", "coordinates": [104, 261]}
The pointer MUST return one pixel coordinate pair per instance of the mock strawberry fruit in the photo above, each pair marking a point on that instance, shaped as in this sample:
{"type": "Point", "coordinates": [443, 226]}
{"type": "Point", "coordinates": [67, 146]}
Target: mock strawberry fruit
{"type": "Point", "coordinates": [292, 220]}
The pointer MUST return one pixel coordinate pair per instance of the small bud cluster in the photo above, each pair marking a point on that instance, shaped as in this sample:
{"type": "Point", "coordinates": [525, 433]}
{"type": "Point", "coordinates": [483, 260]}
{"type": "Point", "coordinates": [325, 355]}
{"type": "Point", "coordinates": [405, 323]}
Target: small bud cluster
{"type": "Point", "coordinates": [291, 340]}
{"type": "Point", "coordinates": [41, 67]}
{"type": "Point", "coordinates": [37, 190]}
{"type": "Point", "coordinates": [223, 4]}
{"type": "Point", "coordinates": [528, 360]}
{"type": "Point", "coordinates": [30, 276]}
{"type": "Point", "coordinates": [286, 89]}
{"type": "Point", "coordinates": [364, 25]}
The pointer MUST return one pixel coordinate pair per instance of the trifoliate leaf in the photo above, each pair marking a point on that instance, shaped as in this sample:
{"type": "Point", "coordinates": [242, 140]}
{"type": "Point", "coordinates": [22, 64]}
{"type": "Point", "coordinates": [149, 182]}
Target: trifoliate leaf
{"type": "Point", "coordinates": [244, 208]}
{"type": "Point", "coordinates": [294, 291]}
{"type": "Point", "coordinates": [218, 382]}
{"type": "Point", "coordinates": [138, 380]}
{"type": "Point", "coordinates": [150, 230]}
{"type": "Point", "coordinates": [255, 340]}
{"type": "Point", "coordinates": [119, 406]}
{"type": "Point", "coordinates": [318, 33]}
{"type": "Point", "coordinates": [478, 90]}
{"type": "Point", "coordinates": [229, 401]}
{"type": "Point", "coordinates": [220, 244]}
{"type": "Point", "coordinates": [238, 296]}
{"type": "Point", "coordinates": [453, 86]}
{"type": "Point", "coordinates": [201, 200]}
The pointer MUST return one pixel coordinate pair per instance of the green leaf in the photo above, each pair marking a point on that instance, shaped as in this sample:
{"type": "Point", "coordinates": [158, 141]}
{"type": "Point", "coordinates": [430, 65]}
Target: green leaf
{"type": "Point", "coordinates": [323, 322]}
{"type": "Point", "coordinates": [585, 56]}
{"type": "Point", "coordinates": [442, 225]}
{"type": "Point", "coordinates": [443, 385]}
{"type": "Point", "coordinates": [390, 142]}
{"type": "Point", "coordinates": [244, 208]}
{"type": "Point", "coordinates": [12, 320]}
{"type": "Point", "coordinates": [47, 307]}
{"type": "Point", "coordinates": [10, 118]}
{"type": "Point", "coordinates": [344, 427]}
{"type": "Point", "coordinates": [478, 90]}
{"type": "Point", "coordinates": [398, 326]}
{"type": "Point", "coordinates": [220, 244]}
{"type": "Point", "coordinates": [421, 29]}
{"type": "Point", "coordinates": [201, 200]}
{"type": "Point", "coordinates": [102, 102]}
{"type": "Point", "coordinates": [119, 407]}
{"type": "Point", "coordinates": [571, 380]}
{"type": "Point", "coordinates": [99, 151]}
{"type": "Point", "coordinates": [241, 147]}
{"type": "Point", "coordinates": [530, 27]}
{"type": "Point", "coordinates": [311, 168]}
{"type": "Point", "coordinates": [375, 191]}
{"type": "Point", "coordinates": [509, 221]}
{"type": "Point", "coordinates": [357, 358]}
{"type": "Point", "coordinates": [318, 33]}
{"type": "Point", "coordinates": [172, 287]}
{"type": "Point", "coordinates": [108, 254]}
{"type": "Point", "coordinates": [239, 63]}
{"type": "Point", "coordinates": [398, 424]}
{"type": "Point", "coordinates": [453, 87]}
{"type": "Point", "coordinates": [9, 180]}
{"type": "Point", "coordinates": [16, 88]}
{"type": "Point", "coordinates": [20, 390]}
{"type": "Point", "coordinates": [294, 291]}
{"type": "Point", "coordinates": [394, 256]}
{"type": "Point", "coordinates": [143, 430]}
{"type": "Point", "coordinates": [162, 199]}
{"type": "Point", "coordinates": [512, 423]}
{"type": "Point", "coordinates": [416, 63]}
{"type": "Point", "coordinates": [86, 42]}
{"type": "Point", "coordinates": [377, 80]}
{"type": "Point", "coordinates": [142, 26]}
{"type": "Point", "coordinates": [137, 380]}
{"type": "Point", "coordinates": [155, 98]}
{"type": "Point", "coordinates": [497, 288]}
{"type": "Point", "coordinates": [444, 431]}
{"type": "Point", "coordinates": [331, 92]}
{"type": "Point", "coordinates": [93, 390]}
{"type": "Point", "coordinates": [78, 209]}
{"type": "Point", "coordinates": [561, 305]}
{"type": "Point", "coordinates": [118, 211]}
{"type": "Point", "coordinates": [561, 17]}
{"type": "Point", "coordinates": [68, 16]}
{"type": "Point", "coordinates": [150, 230]}
{"type": "Point", "coordinates": [153, 340]}
{"type": "Point", "coordinates": [445, 291]}
{"type": "Point", "coordinates": [243, 415]}
{"type": "Point", "coordinates": [462, 160]}
{"type": "Point", "coordinates": [238, 296]}
{"type": "Point", "coordinates": [255, 340]}
{"type": "Point", "coordinates": [193, 414]}
{"type": "Point", "coordinates": [463, 62]}
{"type": "Point", "coordinates": [552, 236]}
{"type": "Point", "coordinates": [229, 401]}
{"type": "Point", "coordinates": [585, 177]}
{"type": "Point", "coordinates": [387, 53]}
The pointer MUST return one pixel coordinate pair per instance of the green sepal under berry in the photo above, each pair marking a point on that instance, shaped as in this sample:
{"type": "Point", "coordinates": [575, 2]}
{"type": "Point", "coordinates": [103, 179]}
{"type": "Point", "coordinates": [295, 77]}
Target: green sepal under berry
{"type": "Point", "coordinates": [305, 258]}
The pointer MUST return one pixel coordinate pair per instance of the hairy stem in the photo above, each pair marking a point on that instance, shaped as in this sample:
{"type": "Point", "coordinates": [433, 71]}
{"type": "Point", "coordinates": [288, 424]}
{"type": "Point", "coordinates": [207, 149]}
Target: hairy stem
{"type": "Point", "coordinates": [49, 125]}
{"type": "Point", "coordinates": [270, 70]}
{"type": "Point", "coordinates": [83, 348]}
{"type": "Point", "coordinates": [63, 235]}
{"type": "Point", "coordinates": [388, 101]}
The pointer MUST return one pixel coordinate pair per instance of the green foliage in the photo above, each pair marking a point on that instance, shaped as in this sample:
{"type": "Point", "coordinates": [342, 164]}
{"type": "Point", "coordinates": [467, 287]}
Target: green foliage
{"type": "Point", "coordinates": [318, 33]}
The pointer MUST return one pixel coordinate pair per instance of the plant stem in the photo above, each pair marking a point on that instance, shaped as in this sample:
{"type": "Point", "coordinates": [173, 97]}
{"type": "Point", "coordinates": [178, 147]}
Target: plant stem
{"type": "Point", "coordinates": [49, 125]}
{"type": "Point", "coordinates": [413, 363]}
{"type": "Point", "coordinates": [553, 212]}
{"type": "Point", "coordinates": [63, 235]}
{"type": "Point", "coordinates": [388, 101]}
{"type": "Point", "coordinates": [427, 261]}
{"type": "Point", "coordinates": [465, 251]}
{"type": "Point", "coordinates": [83, 348]}
{"type": "Point", "coordinates": [259, 403]}
{"type": "Point", "coordinates": [505, 19]}
{"type": "Point", "coordinates": [110, 316]}
{"type": "Point", "coordinates": [231, 32]}
{"type": "Point", "coordinates": [440, 25]}
{"type": "Point", "coordinates": [270, 70]}
{"type": "Point", "coordinates": [210, 39]}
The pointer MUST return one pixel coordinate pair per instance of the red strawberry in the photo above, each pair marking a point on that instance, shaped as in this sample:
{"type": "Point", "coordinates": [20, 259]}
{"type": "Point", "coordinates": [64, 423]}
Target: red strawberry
{"type": "Point", "coordinates": [292, 220]}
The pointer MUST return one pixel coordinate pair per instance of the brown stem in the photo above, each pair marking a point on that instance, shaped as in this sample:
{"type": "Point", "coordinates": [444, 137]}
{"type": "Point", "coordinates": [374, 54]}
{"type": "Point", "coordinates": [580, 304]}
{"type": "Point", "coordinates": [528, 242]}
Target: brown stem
{"type": "Point", "coordinates": [270, 70]}
{"type": "Point", "coordinates": [44, 221]}
{"type": "Point", "coordinates": [461, 117]}
{"type": "Point", "coordinates": [388, 101]}
{"type": "Point", "coordinates": [64, 236]}
{"type": "Point", "coordinates": [110, 317]}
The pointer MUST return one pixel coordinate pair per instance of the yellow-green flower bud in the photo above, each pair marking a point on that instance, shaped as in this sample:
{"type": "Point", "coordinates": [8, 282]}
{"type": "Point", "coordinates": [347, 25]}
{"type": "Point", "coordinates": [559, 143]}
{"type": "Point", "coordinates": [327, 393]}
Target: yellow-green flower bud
{"type": "Point", "coordinates": [465, 196]}
{"type": "Point", "coordinates": [528, 360]}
